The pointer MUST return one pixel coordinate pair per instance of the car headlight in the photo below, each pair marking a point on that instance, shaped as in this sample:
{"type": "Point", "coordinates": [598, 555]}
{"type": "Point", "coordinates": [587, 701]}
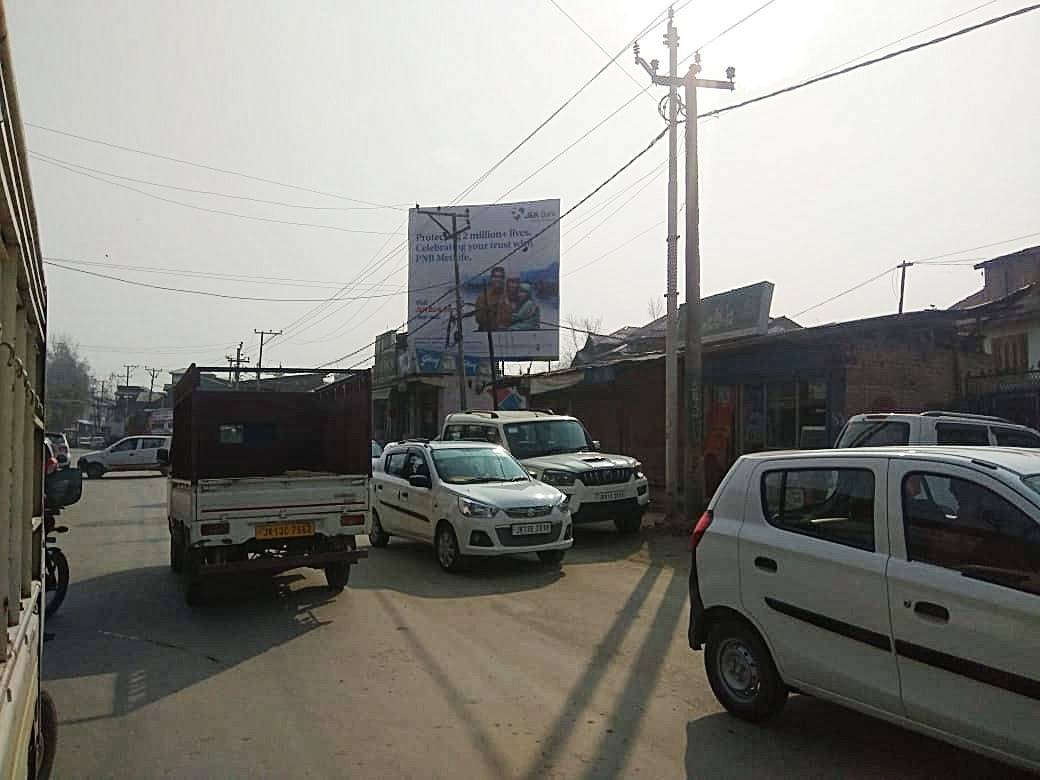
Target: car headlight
{"type": "Point", "coordinates": [476, 509]}
{"type": "Point", "coordinates": [557, 478]}
{"type": "Point", "coordinates": [563, 503]}
{"type": "Point", "coordinates": [637, 471]}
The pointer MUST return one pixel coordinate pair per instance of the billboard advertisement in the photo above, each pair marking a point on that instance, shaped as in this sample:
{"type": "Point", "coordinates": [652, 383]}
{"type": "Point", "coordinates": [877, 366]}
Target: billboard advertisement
{"type": "Point", "coordinates": [509, 268]}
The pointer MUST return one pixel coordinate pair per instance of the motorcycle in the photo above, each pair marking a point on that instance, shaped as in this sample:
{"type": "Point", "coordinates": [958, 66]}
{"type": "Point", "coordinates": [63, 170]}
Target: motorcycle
{"type": "Point", "coordinates": [56, 574]}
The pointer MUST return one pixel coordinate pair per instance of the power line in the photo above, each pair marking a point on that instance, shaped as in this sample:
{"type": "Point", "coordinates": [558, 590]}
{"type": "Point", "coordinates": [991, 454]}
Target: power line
{"type": "Point", "coordinates": [868, 63]}
{"type": "Point", "coordinates": [864, 283]}
{"type": "Point", "coordinates": [49, 158]}
{"type": "Point", "coordinates": [152, 195]}
{"type": "Point", "coordinates": [980, 246]}
{"type": "Point", "coordinates": [730, 29]}
{"type": "Point", "coordinates": [210, 167]}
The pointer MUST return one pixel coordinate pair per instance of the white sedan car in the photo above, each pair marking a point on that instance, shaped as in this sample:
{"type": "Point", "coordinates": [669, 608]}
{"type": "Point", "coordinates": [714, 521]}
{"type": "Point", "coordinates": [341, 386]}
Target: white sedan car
{"type": "Point", "coordinates": [900, 582]}
{"type": "Point", "coordinates": [134, 453]}
{"type": "Point", "coordinates": [467, 499]}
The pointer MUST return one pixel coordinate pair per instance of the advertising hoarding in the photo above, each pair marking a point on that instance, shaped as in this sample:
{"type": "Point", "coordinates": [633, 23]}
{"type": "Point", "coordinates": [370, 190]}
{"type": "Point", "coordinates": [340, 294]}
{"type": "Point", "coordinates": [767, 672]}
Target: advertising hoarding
{"type": "Point", "coordinates": [509, 267]}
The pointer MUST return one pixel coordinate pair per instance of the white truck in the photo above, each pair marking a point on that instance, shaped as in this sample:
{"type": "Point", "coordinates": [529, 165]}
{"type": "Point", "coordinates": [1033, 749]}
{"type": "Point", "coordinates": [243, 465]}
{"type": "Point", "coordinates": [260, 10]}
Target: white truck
{"type": "Point", "coordinates": [557, 450]}
{"type": "Point", "coordinates": [28, 722]}
{"type": "Point", "coordinates": [266, 481]}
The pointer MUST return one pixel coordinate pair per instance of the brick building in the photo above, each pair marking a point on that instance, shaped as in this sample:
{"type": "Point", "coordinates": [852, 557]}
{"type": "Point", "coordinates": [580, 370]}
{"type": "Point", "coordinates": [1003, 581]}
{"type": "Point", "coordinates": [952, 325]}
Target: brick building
{"type": "Point", "coordinates": [790, 388]}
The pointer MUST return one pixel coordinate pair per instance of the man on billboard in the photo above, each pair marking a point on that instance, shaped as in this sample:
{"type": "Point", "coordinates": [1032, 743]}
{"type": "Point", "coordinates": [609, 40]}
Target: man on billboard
{"type": "Point", "coordinates": [492, 310]}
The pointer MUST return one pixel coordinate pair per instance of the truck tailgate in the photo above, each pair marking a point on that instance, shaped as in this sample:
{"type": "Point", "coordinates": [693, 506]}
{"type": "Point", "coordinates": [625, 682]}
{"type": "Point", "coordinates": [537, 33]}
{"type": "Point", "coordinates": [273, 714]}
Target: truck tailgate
{"type": "Point", "coordinates": [336, 504]}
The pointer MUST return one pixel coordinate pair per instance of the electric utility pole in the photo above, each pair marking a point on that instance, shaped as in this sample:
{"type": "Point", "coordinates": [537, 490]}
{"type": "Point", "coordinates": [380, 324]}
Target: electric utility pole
{"type": "Point", "coordinates": [671, 333]}
{"type": "Point", "coordinates": [454, 234]}
{"type": "Point", "coordinates": [260, 357]}
{"type": "Point", "coordinates": [152, 372]}
{"type": "Point", "coordinates": [237, 361]}
{"type": "Point", "coordinates": [692, 380]}
{"type": "Point", "coordinates": [902, 281]}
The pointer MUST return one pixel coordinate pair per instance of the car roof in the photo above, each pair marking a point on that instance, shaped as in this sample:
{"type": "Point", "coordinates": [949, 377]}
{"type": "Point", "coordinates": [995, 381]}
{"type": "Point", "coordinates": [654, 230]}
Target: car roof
{"type": "Point", "coordinates": [520, 415]}
{"type": "Point", "coordinates": [981, 419]}
{"type": "Point", "coordinates": [1018, 460]}
{"type": "Point", "coordinates": [442, 445]}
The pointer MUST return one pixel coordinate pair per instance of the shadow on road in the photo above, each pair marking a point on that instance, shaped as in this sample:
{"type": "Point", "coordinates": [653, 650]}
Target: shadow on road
{"type": "Point", "coordinates": [411, 567]}
{"type": "Point", "coordinates": [813, 738]}
{"type": "Point", "coordinates": [134, 624]}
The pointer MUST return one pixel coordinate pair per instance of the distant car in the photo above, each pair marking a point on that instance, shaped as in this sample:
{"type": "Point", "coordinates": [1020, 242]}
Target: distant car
{"type": "Point", "coordinates": [84, 440]}
{"type": "Point", "coordinates": [377, 451]}
{"type": "Point", "coordinates": [60, 444]}
{"type": "Point", "coordinates": [888, 429]}
{"type": "Point", "coordinates": [97, 441]}
{"type": "Point", "coordinates": [902, 582]}
{"type": "Point", "coordinates": [134, 453]}
{"type": "Point", "coordinates": [467, 499]}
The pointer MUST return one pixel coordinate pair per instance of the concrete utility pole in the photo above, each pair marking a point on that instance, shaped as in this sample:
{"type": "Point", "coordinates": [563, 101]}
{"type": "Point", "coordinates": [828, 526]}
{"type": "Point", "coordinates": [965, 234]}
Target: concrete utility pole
{"type": "Point", "coordinates": [693, 469]}
{"type": "Point", "coordinates": [152, 372]}
{"type": "Point", "coordinates": [454, 234]}
{"type": "Point", "coordinates": [126, 414]}
{"type": "Point", "coordinates": [260, 357]}
{"type": "Point", "coordinates": [902, 281]}
{"type": "Point", "coordinates": [671, 333]}
{"type": "Point", "coordinates": [237, 362]}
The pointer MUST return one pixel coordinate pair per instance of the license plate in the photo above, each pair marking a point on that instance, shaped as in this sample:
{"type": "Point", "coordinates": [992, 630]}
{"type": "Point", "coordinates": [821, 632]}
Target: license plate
{"type": "Point", "coordinates": [530, 529]}
{"type": "Point", "coordinates": [611, 495]}
{"type": "Point", "coordinates": [284, 530]}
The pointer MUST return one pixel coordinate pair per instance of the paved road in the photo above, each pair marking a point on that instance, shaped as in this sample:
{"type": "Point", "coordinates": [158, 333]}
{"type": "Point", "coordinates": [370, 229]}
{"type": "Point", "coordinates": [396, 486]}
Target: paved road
{"type": "Point", "coordinates": [509, 671]}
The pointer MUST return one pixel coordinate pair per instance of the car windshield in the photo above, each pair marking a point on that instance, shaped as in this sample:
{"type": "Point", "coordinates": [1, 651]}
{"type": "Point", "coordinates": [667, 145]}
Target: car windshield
{"type": "Point", "coordinates": [468, 466]}
{"type": "Point", "coordinates": [1032, 481]}
{"type": "Point", "coordinates": [546, 437]}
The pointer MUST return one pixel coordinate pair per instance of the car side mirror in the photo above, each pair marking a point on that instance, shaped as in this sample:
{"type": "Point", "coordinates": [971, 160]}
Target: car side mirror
{"type": "Point", "coordinates": [420, 481]}
{"type": "Point", "coordinates": [163, 456]}
{"type": "Point", "coordinates": [596, 445]}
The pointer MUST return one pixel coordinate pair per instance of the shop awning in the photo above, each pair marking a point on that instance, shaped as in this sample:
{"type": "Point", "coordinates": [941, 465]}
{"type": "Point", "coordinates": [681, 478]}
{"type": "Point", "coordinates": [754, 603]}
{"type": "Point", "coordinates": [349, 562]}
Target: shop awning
{"type": "Point", "coordinates": [547, 383]}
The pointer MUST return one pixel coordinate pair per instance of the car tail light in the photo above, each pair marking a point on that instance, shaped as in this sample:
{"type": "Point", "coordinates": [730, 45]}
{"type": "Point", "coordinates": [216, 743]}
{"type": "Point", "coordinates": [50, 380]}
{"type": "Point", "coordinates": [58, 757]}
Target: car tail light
{"type": "Point", "coordinates": [700, 528]}
{"type": "Point", "coordinates": [352, 520]}
{"type": "Point", "coordinates": [51, 466]}
{"type": "Point", "coordinates": [215, 529]}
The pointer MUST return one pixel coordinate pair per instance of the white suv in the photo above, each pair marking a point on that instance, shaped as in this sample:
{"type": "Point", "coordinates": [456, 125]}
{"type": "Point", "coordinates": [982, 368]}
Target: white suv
{"type": "Point", "coordinates": [903, 583]}
{"type": "Point", "coordinates": [889, 429]}
{"type": "Point", "coordinates": [557, 450]}
{"type": "Point", "coordinates": [134, 453]}
{"type": "Point", "coordinates": [468, 499]}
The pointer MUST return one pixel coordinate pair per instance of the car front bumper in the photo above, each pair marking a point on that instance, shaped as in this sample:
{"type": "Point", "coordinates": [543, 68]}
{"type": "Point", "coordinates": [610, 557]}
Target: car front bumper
{"type": "Point", "coordinates": [495, 537]}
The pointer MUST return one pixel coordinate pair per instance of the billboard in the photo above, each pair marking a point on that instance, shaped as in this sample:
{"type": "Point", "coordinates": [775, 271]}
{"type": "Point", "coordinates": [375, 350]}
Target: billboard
{"type": "Point", "coordinates": [509, 268]}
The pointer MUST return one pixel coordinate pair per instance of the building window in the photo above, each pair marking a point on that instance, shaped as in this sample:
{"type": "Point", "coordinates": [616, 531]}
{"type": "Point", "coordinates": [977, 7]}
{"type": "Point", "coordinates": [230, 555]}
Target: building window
{"type": "Point", "coordinates": [1011, 353]}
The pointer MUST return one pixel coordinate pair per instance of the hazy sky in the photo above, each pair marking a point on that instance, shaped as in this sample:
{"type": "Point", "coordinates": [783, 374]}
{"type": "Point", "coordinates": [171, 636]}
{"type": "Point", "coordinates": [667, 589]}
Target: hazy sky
{"type": "Point", "coordinates": [400, 101]}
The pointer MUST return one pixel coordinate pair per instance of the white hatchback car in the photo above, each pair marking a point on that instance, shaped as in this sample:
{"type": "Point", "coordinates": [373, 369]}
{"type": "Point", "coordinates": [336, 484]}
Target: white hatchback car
{"type": "Point", "coordinates": [467, 499]}
{"type": "Point", "coordinates": [900, 582]}
{"type": "Point", "coordinates": [134, 453]}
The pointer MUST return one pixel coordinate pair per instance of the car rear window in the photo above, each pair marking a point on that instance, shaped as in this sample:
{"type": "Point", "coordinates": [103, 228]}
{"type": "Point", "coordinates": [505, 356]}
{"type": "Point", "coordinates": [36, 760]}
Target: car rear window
{"type": "Point", "coordinates": [1016, 437]}
{"type": "Point", "coordinates": [962, 433]}
{"type": "Point", "coordinates": [875, 433]}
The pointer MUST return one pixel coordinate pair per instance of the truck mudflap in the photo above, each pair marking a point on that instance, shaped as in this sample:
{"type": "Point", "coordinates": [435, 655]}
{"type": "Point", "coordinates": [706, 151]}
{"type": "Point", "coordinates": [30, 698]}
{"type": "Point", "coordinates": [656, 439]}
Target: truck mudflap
{"type": "Point", "coordinates": [284, 563]}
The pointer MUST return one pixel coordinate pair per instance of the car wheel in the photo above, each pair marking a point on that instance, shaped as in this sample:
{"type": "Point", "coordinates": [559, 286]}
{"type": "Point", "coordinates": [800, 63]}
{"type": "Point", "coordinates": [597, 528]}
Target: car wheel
{"type": "Point", "coordinates": [176, 552]}
{"type": "Point", "coordinates": [741, 671]}
{"type": "Point", "coordinates": [552, 558]}
{"type": "Point", "coordinates": [446, 543]}
{"type": "Point", "coordinates": [337, 575]}
{"type": "Point", "coordinates": [377, 536]}
{"type": "Point", "coordinates": [95, 470]}
{"type": "Point", "coordinates": [629, 524]}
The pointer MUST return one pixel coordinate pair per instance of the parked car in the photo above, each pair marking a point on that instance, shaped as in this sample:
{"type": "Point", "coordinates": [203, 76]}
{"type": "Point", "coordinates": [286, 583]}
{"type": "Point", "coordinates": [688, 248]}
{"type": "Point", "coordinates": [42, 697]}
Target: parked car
{"type": "Point", "coordinates": [903, 583]}
{"type": "Point", "coordinates": [557, 450]}
{"type": "Point", "coordinates": [61, 448]}
{"type": "Point", "coordinates": [467, 499]}
{"type": "Point", "coordinates": [882, 429]}
{"type": "Point", "coordinates": [83, 440]}
{"type": "Point", "coordinates": [377, 452]}
{"type": "Point", "coordinates": [134, 453]}
{"type": "Point", "coordinates": [97, 441]}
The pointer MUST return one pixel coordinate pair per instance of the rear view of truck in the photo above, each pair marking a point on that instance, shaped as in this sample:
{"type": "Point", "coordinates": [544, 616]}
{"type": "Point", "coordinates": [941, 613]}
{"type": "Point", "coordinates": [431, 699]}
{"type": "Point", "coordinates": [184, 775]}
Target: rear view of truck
{"type": "Point", "coordinates": [264, 480]}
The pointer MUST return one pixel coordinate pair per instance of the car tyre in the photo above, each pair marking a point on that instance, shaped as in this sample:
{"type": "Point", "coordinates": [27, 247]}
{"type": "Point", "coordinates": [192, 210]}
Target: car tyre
{"type": "Point", "coordinates": [552, 558]}
{"type": "Point", "coordinates": [377, 536]}
{"type": "Point", "coordinates": [95, 470]}
{"type": "Point", "coordinates": [176, 551]}
{"type": "Point", "coordinates": [629, 524]}
{"type": "Point", "coordinates": [741, 672]}
{"type": "Point", "coordinates": [337, 575]}
{"type": "Point", "coordinates": [446, 544]}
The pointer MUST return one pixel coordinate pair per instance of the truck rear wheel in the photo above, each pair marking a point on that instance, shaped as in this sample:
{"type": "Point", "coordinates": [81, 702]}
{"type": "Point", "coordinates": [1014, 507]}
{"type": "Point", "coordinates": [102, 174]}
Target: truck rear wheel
{"type": "Point", "coordinates": [337, 575]}
{"type": "Point", "coordinates": [176, 551]}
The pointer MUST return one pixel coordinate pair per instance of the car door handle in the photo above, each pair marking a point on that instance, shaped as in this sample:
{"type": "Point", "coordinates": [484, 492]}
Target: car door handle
{"type": "Point", "coordinates": [379, 487]}
{"type": "Point", "coordinates": [404, 496]}
{"type": "Point", "coordinates": [765, 564]}
{"type": "Point", "coordinates": [932, 611]}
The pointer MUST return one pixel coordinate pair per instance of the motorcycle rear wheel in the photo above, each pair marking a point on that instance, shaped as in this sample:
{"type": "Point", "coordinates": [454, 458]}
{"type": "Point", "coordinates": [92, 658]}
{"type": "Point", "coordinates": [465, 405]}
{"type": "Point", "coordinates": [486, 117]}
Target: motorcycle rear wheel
{"type": "Point", "coordinates": [57, 580]}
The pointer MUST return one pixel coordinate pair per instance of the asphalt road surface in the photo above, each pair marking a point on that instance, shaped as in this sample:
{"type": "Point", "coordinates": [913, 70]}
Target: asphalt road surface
{"type": "Point", "coordinates": [508, 671]}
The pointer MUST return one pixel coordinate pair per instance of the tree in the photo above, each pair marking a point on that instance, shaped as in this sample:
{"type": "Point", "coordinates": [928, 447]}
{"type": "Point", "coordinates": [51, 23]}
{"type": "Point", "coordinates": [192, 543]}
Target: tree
{"type": "Point", "coordinates": [575, 334]}
{"type": "Point", "coordinates": [68, 384]}
{"type": "Point", "coordinates": [655, 308]}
